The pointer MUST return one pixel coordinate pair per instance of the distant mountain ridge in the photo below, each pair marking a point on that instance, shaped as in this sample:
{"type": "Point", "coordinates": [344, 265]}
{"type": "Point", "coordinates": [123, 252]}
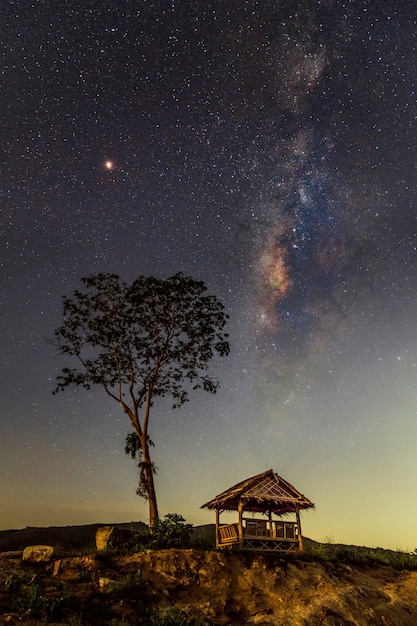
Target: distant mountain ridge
{"type": "Point", "coordinates": [67, 537]}
{"type": "Point", "coordinates": [80, 537]}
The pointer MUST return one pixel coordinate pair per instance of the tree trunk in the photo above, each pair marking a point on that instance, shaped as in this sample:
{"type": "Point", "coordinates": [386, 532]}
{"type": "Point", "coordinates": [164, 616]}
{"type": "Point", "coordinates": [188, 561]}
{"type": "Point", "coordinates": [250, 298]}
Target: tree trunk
{"type": "Point", "coordinates": [150, 484]}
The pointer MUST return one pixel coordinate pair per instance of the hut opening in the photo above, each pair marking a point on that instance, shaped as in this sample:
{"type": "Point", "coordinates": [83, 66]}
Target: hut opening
{"type": "Point", "coordinates": [274, 501]}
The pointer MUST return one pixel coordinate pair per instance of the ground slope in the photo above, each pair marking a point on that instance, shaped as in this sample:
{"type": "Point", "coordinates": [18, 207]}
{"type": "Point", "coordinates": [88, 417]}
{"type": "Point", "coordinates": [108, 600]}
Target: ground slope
{"type": "Point", "coordinates": [219, 588]}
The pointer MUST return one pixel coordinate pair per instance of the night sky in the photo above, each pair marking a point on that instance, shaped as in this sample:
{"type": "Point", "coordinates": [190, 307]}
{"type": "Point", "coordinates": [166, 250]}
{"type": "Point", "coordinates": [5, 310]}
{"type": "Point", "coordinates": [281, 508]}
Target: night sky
{"type": "Point", "coordinates": [268, 148]}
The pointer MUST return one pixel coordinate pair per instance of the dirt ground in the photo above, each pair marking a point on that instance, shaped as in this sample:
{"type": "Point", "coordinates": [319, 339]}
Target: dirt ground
{"type": "Point", "coordinates": [218, 588]}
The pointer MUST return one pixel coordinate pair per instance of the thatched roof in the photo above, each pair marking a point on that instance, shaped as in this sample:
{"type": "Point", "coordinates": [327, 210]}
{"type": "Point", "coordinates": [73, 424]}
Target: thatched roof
{"type": "Point", "coordinates": [261, 493]}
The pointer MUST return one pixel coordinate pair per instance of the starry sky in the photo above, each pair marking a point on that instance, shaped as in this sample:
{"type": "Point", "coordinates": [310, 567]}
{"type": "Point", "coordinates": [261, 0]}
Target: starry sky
{"type": "Point", "coordinates": [268, 148]}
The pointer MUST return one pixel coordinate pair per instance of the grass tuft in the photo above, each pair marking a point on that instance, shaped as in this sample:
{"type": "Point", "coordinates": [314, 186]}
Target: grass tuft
{"type": "Point", "coordinates": [172, 617]}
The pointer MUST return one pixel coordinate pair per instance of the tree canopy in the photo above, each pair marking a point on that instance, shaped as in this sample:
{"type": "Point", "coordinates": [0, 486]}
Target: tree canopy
{"type": "Point", "coordinates": [150, 339]}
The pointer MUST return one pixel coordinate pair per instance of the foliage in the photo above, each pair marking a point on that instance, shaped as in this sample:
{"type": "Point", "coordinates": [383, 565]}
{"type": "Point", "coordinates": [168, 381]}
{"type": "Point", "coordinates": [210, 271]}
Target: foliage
{"type": "Point", "coordinates": [28, 597]}
{"type": "Point", "coordinates": [130, 582]}
{"type": "Point", "coordinates": [26, 592]}
{"type": "Point", "coordinates": [154, 338]}
{"type": "Point", "coordinates": [171, 532]}
{"type": "Point", "coordinates": [83, 576]}
{"type": "Point", "coordinates": [358, 555]}
{"type": "Point", "coordinates": [121, 334]}
{"type": "Point", "coordinates": [14, 582]}
{"type": "Point", "coordinates": [133, 448]}
{"type": "Point", "coordinates": [172, 617]}
{"type": "Point", "coordinates": [75, 620]}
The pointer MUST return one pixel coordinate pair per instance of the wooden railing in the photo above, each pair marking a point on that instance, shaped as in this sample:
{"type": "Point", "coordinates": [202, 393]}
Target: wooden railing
{"type": "Point", "coordinates": [285, 530]}
{"type": "Point", "coordinates": [229, 533]}
{"type": "Point", "coordinates": [274, 531]}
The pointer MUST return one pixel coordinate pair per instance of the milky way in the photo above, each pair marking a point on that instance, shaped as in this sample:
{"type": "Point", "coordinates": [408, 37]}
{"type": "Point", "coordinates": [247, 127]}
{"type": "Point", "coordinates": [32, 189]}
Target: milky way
{"type": "Point", "coordinates": [267, 148]}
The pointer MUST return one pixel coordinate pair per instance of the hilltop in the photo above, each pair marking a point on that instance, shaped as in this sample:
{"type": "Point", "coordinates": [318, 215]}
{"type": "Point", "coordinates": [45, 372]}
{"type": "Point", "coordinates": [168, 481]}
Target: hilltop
{"type": "Point", "coordinates": [66, 537]}
{"type": "Point", "coordinates": [329, 586]}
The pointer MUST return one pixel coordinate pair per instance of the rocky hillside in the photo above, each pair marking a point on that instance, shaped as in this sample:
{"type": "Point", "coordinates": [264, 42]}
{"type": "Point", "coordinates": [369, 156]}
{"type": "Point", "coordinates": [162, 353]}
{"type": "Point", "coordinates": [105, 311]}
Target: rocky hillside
{"type": "Point", "coordinates": [191, 587]}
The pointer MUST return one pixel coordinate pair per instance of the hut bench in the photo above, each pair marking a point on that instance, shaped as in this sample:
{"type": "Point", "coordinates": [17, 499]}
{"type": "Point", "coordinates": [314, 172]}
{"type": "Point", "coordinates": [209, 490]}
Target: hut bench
{"type": "Point", "coordinates": [267, 494]}
{"type": "Point", "coordinates": [273, 535]}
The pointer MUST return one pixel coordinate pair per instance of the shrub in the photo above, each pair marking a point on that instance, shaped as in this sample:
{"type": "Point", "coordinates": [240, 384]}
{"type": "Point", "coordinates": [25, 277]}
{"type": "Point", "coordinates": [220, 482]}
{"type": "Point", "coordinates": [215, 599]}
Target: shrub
{"type": "Point", "coordinates": [170, 532]}
{"type": "Point", "coordinates": [29, 599]}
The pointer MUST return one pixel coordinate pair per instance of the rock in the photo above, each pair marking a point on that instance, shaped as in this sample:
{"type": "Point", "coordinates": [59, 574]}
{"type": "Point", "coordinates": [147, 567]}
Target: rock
{"type": "Point", "coordinates": [260, 618]}
{"type": "Point", "coordinates": [108, 537]}
{"type": "Point", "coordinates": [106, 584]}
{"type": "Point", "coordinates": [37, 554]}
{"type": "Point", "coordinates": [103, 536]}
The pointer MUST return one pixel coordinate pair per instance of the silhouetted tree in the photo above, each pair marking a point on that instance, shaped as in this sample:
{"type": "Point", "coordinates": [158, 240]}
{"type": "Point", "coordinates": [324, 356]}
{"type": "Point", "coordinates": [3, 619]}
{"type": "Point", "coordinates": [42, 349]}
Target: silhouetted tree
{"type": "Point", "coordinates": [140, 341]}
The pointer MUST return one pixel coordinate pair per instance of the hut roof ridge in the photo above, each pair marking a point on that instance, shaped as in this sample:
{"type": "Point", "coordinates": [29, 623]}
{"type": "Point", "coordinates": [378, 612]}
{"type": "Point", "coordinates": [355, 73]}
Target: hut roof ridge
{"type": "Point", "coordinates": [265, 491]}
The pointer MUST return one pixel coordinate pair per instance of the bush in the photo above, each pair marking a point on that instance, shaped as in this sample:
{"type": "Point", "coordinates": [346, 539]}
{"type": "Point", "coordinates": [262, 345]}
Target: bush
{"type": "Point", "coordinates": [29, 598]}
{"type": "Point", "coordinates": [170, 532]}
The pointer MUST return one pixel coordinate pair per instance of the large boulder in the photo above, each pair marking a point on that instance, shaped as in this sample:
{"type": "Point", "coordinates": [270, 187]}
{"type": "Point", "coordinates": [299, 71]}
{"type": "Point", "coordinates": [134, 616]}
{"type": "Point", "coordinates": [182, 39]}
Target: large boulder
{"type": "Point", "coordinates": [37, 554]}
{"type": "Point", "coordinates": [112, 537]}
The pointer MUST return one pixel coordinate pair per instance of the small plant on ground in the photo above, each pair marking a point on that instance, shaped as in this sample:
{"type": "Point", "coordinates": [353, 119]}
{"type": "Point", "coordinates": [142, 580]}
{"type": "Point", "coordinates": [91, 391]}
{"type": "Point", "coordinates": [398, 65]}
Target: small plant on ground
{"type": "Point", "coordinates": [172, 617]}
{"type": "Point", "coordinates": [26, 592]}
{"type": "Point", "coordinates": [14, 582]}
{"type": "Point", "coordinates": [75, 620]}
{"type": "Point", "coordinates": [128, 583]}
{"type": "Point", "coordinates": [83, 576]}
{"type": "Point", "coordinates": [64, 603]}
{"type": "Point", "coordinates": [29, 599]}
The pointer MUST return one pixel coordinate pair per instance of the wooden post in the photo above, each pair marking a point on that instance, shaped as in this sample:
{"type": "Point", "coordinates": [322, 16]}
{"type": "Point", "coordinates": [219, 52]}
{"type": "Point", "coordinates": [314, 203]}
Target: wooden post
{"type": "Point", "coordinates": [217, 528]}
{"type": "Point", "coordinates": [271, 525]}
{"type": "Point", "coordinates": [300, 537]}
{"type": "Point", "coordinates": [240, 524]}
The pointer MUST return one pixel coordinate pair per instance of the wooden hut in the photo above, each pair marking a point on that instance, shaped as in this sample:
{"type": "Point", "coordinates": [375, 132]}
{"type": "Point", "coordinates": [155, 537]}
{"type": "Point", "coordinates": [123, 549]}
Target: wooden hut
{"type": "Point", "coordinates": [266, 495]}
